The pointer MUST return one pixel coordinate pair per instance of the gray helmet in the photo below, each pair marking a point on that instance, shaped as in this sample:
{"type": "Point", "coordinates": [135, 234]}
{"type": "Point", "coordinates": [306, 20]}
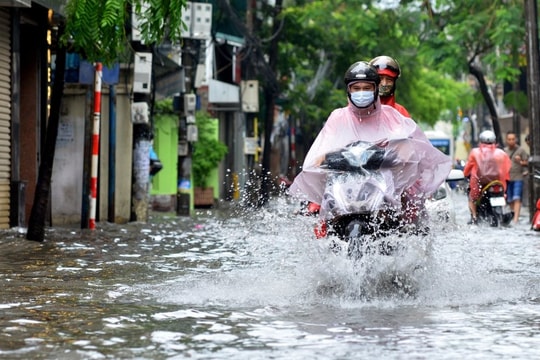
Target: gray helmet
{"type": "Point", "coordinates": [487, 137]}
{"type": "Point", "coordinates": [386, 66]}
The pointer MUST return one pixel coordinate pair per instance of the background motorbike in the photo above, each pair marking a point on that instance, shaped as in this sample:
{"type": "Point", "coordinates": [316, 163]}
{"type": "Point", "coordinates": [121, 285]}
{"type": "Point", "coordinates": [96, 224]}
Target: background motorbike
{"type": "Point", "coordinates": [492, 207]}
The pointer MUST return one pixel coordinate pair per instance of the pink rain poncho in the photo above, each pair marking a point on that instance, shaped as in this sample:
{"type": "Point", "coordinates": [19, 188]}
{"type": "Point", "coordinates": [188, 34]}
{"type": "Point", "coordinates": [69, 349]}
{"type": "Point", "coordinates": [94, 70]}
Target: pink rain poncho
{"type": "Point", "coordinates": [421, 167]}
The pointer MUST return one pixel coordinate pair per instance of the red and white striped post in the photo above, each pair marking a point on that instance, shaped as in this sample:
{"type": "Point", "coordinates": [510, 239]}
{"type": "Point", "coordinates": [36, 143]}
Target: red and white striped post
{"type": "Point", "coordinates": [95, 146]}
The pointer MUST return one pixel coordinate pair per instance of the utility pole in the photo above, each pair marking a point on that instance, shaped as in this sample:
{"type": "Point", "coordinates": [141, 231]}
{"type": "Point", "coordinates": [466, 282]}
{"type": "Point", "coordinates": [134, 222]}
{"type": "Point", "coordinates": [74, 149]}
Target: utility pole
{"type": "Point", "coordinates": [531, 28]}
{"type": "Point", "coordinates": [142, 134]}
{"type": "Point", "coordinates": [271, 91]}
{"type": "Point", "coordinates": [251, 187]}
{"type": "Point", "coordinates": [186, 106]}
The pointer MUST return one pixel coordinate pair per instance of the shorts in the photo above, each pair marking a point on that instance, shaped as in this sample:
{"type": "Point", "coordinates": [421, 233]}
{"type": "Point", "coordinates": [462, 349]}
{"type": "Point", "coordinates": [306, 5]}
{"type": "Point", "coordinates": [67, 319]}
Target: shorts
{"type": "Point", "coordinates": [514, 190]}
{"type": "Point", "coordinates": [474, 188]}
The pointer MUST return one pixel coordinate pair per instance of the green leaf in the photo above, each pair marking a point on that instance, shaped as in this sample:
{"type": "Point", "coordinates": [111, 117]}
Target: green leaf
{"type": "Point", "coordinates": [207, 150]}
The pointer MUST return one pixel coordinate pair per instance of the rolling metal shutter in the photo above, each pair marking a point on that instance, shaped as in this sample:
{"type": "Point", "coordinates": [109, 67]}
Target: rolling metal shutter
{"type": "Point", "coordinates": [5, 117]}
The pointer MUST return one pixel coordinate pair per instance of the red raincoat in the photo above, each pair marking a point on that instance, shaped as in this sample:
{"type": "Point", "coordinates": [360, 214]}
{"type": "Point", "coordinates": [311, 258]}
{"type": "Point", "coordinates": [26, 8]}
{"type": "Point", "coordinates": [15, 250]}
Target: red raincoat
{"type": "Point", "coordinates": [486, 163]}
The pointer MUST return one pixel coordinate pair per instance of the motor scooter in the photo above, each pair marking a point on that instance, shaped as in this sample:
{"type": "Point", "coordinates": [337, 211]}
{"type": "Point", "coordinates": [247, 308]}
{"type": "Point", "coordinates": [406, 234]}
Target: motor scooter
{"type": "Point", "coordinates": [363, 200]}
{"type": "Point", "coordinates": [491, 207]}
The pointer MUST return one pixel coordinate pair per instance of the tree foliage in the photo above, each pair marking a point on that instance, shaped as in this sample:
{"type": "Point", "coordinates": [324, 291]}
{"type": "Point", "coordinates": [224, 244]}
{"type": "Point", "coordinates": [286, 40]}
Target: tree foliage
{"type": "Point", "coordinates": [99, 29]}
{"type": "Point", "coordinates": [208, 151]}
{"type": "Point", "coordinates": [461, 32]}
{"type": "Point", "coordinates": [325, 37]}
{"type": "Point", "coordinates": [484, 38]}
{"type": "Point", "coordinates": [438, 44]}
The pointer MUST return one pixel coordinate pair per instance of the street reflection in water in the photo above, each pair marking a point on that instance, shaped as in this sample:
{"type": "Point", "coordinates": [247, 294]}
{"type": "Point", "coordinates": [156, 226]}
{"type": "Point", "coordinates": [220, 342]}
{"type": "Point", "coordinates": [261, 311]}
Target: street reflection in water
{"type": "Point", "coordinates": [255, 284]}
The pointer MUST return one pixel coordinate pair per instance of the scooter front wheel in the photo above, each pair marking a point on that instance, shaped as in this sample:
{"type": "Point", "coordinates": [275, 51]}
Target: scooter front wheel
{"type": "Point", "coordinates": [363, 239]}
{"type": "Point", "coordinates": [358, 238]}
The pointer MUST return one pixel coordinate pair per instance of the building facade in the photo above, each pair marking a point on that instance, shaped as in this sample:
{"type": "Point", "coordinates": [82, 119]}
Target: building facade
{"type": "Point", "coordinates": [26, 70]}
{"type": "Point", "coordinates": [24, 80]}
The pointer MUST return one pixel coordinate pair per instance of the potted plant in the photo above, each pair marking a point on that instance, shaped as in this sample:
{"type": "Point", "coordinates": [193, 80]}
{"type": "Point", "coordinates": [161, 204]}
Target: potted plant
{"type": "Point", "coordinates": [208, 151]}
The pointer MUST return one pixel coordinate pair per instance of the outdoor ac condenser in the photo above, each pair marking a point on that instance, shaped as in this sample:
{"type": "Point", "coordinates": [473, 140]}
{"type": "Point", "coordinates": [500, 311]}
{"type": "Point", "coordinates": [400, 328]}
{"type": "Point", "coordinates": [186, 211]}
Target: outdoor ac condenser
{"type": "Point", "coordinates": [136, 22]}
{"type": "Point", "coordinates": [250, 96]}
{"type": "Point", "coordinates": [201, 20]}
{"type": "Point", "coordinates": [142, 72]}
{"type": "Point", "coordinates": [139, 112]}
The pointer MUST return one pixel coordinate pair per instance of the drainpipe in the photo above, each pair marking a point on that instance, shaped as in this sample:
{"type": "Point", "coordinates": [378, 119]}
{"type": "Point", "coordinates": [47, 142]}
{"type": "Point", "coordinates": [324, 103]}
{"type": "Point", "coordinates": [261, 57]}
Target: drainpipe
{"type": "Point", "coordinates": [112, 153]}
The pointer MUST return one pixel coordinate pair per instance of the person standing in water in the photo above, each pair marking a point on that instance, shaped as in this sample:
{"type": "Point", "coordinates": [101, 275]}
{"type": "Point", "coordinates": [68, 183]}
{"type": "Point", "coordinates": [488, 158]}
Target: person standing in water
{"type": "Point", "coordinates": [519, 169]}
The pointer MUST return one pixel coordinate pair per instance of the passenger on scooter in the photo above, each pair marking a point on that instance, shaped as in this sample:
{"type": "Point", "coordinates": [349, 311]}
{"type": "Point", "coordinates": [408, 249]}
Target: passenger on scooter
{"type": "Point", "coordinates": [366, 119]}
{"type": "Point", "coordinates": [389, 71]}
{"type": "Point", "coordinates": [486, 163]}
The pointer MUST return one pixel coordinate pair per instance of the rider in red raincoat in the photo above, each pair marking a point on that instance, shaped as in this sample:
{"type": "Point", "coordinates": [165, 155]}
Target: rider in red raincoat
{"type": "Point", "coordinates": [389, 71]}
{"type": "Point", "coordinates": [486, 163]}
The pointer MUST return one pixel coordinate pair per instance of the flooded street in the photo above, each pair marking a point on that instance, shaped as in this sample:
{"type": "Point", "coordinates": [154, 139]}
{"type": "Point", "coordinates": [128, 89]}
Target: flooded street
{"type": "Point", "coordinates": [243, 285]}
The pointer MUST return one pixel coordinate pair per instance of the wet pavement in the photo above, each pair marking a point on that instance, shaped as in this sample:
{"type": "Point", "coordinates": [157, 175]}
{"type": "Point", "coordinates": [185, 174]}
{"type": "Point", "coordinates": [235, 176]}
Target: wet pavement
{"type": "Point", "coordinates": [248, 284]}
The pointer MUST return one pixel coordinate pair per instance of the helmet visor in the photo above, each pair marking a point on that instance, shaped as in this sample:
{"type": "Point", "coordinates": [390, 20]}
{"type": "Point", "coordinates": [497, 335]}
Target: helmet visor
{"type": "Point", "coordinates": [388, 71]}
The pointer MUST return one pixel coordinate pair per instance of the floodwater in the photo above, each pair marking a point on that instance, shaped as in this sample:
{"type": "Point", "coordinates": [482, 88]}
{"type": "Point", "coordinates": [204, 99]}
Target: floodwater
{"type": "Point", "coordinates": [256, 285]}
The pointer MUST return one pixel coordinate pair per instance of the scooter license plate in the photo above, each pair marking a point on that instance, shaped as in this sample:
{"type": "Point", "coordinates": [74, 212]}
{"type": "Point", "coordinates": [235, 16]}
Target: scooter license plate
{"type": "Point", "coordinates": [497, 201]}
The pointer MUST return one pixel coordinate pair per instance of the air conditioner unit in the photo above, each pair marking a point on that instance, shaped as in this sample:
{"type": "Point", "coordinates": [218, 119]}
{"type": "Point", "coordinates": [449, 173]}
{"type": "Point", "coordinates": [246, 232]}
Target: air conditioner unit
{"type": "Point", "coordinates": [136, 22]}
{"type": "Point", "coordinates": [142, 72]}
{"type": "Point", "coordinates": [139, 112]}
{"type": "Point", "coordinates": [250, 95]}
{"type": "Point", "coordinates": [201, 20]}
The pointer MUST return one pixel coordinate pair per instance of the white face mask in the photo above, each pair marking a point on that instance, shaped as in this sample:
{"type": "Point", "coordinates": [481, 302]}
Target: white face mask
{"type": "Point", "coordinates": [362, 98]}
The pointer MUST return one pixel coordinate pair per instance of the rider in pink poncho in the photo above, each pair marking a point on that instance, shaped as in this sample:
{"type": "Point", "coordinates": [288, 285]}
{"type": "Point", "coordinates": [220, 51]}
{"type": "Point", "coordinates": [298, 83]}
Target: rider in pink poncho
{"type": "Point", "coordinates": [366, 119]}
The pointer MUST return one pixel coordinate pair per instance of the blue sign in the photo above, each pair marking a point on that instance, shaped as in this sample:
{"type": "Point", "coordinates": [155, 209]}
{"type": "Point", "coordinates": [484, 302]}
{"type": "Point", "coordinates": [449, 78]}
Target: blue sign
{"type": "Point", "coordinates": [82, 72]}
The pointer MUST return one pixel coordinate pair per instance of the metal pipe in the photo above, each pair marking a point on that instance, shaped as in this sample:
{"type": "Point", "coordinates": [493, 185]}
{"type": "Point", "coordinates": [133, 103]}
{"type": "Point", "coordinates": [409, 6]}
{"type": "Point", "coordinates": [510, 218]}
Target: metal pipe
{"type": "Point", "coordinates": [112, 154]}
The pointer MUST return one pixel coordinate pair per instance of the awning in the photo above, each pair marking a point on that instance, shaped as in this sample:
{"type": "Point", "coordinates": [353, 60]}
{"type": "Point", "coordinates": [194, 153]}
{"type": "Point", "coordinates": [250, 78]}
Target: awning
{"type": "Point", "coordinates": [169, 77]}
{"type": "Point", "coordinates": [229, 39]}
{"type": "Point", "coordinates": [16, 3]}
{"type": "Point", "coordinates": [57, 6]}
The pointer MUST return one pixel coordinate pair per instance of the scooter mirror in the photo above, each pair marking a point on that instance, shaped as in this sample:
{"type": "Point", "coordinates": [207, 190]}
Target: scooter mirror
{"type": "Point", "coordinates": [455, 175]}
